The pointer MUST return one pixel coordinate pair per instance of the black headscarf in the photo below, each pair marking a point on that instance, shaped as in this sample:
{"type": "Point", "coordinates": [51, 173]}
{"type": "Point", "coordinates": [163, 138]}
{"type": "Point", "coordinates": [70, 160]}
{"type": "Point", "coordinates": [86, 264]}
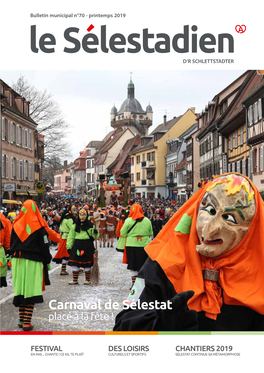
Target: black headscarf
{"type": "Point", "coordinates": [84, 226]}
{"type": "Point", "coordinates": [66, 214]}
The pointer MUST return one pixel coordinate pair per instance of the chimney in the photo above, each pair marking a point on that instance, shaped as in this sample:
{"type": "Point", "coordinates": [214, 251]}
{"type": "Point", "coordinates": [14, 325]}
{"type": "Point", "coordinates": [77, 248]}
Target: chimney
{"type": "Point", "coordinates": [192, 109]}
{"type": "Point", "coordinates": [65, 163]}
{"type": "Point", "coordinates": [164, 119]}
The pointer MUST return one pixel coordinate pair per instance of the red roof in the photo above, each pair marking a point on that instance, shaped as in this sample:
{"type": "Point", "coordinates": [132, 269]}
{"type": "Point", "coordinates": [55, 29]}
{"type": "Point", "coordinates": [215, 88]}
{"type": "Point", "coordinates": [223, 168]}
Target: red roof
{"type": "Point", "coordinates": [80, 161]}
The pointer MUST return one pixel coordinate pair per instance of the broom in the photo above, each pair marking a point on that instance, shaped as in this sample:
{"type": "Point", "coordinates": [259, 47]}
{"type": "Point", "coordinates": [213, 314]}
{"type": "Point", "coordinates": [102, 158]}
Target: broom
{"type": "Point", "coordinates": [95, 274]}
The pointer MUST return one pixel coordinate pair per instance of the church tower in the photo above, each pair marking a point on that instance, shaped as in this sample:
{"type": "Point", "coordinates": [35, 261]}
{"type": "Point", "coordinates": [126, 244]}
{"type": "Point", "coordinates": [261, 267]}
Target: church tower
{"type": "Point", "coordinates": [131, 114]}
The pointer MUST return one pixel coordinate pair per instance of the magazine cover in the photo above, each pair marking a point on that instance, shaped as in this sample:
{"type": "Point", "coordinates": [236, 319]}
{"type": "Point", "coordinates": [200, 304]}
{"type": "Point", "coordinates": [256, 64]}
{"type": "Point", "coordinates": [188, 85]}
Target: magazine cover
{"type": "Point", "coordinates": [132, 185]}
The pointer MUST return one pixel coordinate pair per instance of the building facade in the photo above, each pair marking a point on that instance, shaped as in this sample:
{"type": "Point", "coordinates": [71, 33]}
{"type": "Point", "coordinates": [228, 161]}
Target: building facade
{"type": "Point", "coordinates": [254, 109]}
{"type": "Point", "coordinates": [149, 156]}
{"type": "Point", "coordinates": [18, 146]}
{"type": "Point", "coordinates": [176, 165]}
{"type": "Point", "coordinates": [92, 148]}
{"type": "Point", "coordinates": [79, 173]}
{"type": "Point", "coordinates": [213, 146]}
{"type": "Point", "coordinates": [62, 179]}
{"type": "Point", "coordinates": [192, 163]}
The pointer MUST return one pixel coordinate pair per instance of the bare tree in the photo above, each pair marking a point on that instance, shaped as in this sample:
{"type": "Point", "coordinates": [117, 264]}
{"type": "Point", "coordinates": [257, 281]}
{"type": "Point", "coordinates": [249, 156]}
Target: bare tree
{"type": "Point", "coordinates": [47, 114]}
{"type": "Point", "coordinates": [50, 169]}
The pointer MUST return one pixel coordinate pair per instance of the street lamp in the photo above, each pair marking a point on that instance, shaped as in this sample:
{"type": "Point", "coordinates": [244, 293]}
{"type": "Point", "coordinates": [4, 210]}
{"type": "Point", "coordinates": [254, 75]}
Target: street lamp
{"type": "Point", "coordinates": [2, 97]}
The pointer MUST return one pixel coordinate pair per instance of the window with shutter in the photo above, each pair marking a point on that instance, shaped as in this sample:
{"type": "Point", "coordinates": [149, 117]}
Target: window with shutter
{"type": "Point", "coordinates": [250, 116]}
{"type": "Point", "coordinates": [255, 108]}
{"type": "Point", "coordinates": [251, 160]}
{"type": "Point", "coordinates": [9, 131]}
{"type": "Point", "coordinates": [6, 130]}
{"type": "Point", "coordinates": [241, 135]}
{"type": "Point", "coordinates": [24, 170]}
{"type": "Point", "coordinates": [29, 170]}
{"type": "Point", "coordinates": [17, 135]}
{"type": "Point", "coordinates": [3, 166]}
{"type": "Point", "coordinates": [23, 138]}
{"type": "Point", "coordinates": [21, 170]}
{"type": "Point", "coordinates": [20, 136]}
{"type": "Point", "coordinates": [238, 166]}
{"type": "Point", "coordinates": [17, 169]}
{"type": "Point", "coordinates": [261, 159]}
{"type": "Point", "coordinates": [236, 140]}
{"type": "Point", "coordinates": [12, 168]}
{"type": "Point", "coordinates": [3, 129]}
{"type": "Point", "coordinates": [231, 142]}
{"type": "Point", "coordinates": [7, 167]}
{"type": "Point", "coordinates": [26, 139]}
{"type": "Point", "coordinates": [244, 167]}
{"type": "Point", "coordinates": [224, 164]}
{"type": "Point", "coordinates": [260, 108]}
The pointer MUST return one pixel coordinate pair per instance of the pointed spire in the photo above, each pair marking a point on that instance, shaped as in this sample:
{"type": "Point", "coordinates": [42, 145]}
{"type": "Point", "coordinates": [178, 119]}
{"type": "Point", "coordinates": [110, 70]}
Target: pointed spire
{"type": "Point", "coordinates": [130, 88]}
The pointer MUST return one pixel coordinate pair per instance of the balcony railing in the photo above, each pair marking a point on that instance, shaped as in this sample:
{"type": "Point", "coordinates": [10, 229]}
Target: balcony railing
{"type": "Point", "coordinates": [151, 164]}
{"type": "Point", "coordinates": [144, 164]}
{"type": "Point", "coordinates": [147, 164]}
{"type": "Point", "coordinates": [147, 182]}
{"type": "Point", "coordinates": [150, 182]}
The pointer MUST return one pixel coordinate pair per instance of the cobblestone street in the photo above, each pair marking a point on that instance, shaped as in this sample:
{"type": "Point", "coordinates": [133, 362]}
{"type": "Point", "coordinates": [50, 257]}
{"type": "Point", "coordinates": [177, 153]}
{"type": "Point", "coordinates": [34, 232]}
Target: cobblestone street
{"type": "Point", "coordinates": [114, 285]}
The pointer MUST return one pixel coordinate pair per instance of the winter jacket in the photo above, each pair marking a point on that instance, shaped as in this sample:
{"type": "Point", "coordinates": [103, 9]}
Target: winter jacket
{"type": "Point", "coordinates": [82, 235]}
{"type": "Point", "coordinates": [139, 235]}
{"type": "Point", "coordinates": [66, 226]}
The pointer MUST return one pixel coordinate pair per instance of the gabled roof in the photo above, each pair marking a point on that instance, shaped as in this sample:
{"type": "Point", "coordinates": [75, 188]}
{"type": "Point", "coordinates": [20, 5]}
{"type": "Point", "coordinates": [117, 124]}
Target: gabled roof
{"type": "Point", "coordinates": [124, 153]}
{"type": "Point", "coordinates": [209, 126]}
{"type": "Point", "coordinates": [83, 154]}
{"type": "Point", "coordinates": [94, 144]}
{"type": "Point", "coordinates": [100, 159]}
{"type": "Point", "coordinates": [14, 108]}
{"type": "Point", "coordinates": [101, 154]}
{"type": "Point", "coordinates": [236, 116]}
{"type": "Point", "coordinates": [112, 140]}
{"type": "Point", "coordinates": [161, 128]}
{"type": "Point", "coordinates": [80, 165]}
{"type": "Point", "coordinates": [251, 85]}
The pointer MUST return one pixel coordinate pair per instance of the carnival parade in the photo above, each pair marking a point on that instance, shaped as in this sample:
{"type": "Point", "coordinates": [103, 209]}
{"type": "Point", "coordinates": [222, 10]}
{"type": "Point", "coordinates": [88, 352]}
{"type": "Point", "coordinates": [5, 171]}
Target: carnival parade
{"type": "Point", "coordinates": [146, 230]}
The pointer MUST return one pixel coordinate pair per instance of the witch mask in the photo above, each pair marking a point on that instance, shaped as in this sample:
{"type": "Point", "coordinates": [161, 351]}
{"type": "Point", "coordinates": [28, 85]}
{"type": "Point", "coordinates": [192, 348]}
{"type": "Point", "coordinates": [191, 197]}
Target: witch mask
{"type": "Point", "coordinates": [74, 211]}
{"type": "Point", "coordinates": [82, 215]}
{"type": "Point", "coordinates": [224, 215]}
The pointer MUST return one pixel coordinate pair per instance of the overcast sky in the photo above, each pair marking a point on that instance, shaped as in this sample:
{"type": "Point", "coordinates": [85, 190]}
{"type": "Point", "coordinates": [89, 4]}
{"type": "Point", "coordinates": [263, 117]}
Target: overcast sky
{"type": "Point", "coordinates": [87, 96]}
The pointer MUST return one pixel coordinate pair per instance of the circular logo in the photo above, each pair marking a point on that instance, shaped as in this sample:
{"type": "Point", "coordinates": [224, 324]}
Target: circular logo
{"type": "Point", "coordinates": [240, 29]}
